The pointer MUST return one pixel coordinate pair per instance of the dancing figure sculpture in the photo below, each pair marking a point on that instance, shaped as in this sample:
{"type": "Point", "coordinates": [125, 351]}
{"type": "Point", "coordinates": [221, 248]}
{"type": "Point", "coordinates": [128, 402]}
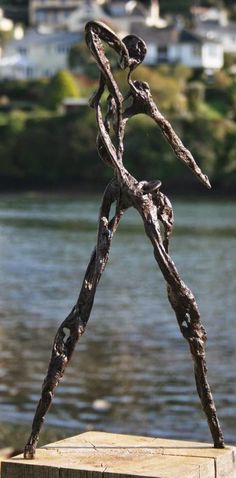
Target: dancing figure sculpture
{"type": "Point", "coordinates": [154, 208]}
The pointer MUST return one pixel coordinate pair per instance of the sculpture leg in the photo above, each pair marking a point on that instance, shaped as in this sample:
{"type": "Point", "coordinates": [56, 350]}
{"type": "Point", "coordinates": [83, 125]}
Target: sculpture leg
{"type": "Point", "coordinates": [193, 331]}
{"type": "Point", "coordinates": [184, 304]}
{"type": "Point", "coordinates": [74, 325]}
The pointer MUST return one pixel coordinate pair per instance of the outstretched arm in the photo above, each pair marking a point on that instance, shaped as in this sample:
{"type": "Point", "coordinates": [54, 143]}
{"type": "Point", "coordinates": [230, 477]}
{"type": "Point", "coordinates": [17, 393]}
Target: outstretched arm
{"type": "Point", "coordinates": [175, 142]}
{"type": "Point", "coordinates": [143, 103]}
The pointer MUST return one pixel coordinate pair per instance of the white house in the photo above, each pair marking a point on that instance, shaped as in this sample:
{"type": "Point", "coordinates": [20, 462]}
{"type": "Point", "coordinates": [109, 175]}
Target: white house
{"type": "Point", "coordinates": [124, 14]}
{"type": "Point", "coordinates": [209, 14]}
{"type": "Point", "coordinates": [213, 23]}
{"type": "Point", "coordinates": [37, 55]}
{"type": "Point", "coordinates": [172, 45]}
{"type": "Point", "coordinates": [85, 11]}
{"type": "Point", "coordinates": [197, 52]}
{"type": "Point", "coordinates": [58, 14]}
{"type": "Point", "coordinates": [226, 34]}
{"type": "Point", "coordinates": [117, 14]}
{"type": "Point", "coordinates": [50, 14]}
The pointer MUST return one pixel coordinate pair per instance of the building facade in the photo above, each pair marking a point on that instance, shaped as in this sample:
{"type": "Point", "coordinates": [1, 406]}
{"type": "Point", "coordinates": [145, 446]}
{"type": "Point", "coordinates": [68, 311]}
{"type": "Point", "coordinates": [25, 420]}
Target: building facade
{"type": "Point", "coordinates": [37, 55]}
{"type": "Point", "coordinates": [51, 14]}
{"type": "Point", "coordinates": [174, 45]}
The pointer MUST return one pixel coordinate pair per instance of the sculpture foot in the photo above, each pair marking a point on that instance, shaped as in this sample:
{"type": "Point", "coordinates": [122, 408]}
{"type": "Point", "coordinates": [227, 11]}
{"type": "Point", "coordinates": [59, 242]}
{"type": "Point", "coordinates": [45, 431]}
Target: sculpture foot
{"type": "Point", "coordinates": [219, 443]}
{"type": "Point", "coordinates": [29, 452]}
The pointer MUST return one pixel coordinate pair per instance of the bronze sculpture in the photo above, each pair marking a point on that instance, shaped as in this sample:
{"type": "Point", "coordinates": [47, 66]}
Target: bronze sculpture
{"type": "Point", "coordinates": [153, 206]}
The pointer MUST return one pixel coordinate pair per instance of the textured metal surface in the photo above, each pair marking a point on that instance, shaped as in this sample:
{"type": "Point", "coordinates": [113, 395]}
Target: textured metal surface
{"type": "Point", "coordinates": [154, 208]}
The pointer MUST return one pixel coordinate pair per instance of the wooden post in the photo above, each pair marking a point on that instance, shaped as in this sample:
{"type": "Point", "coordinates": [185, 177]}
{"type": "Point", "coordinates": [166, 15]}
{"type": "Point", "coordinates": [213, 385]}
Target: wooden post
{"type": "Point", "coordinates": [107, 455]}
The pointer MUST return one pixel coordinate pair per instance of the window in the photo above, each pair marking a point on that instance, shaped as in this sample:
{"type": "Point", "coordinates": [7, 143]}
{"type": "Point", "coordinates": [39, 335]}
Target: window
{"type": "Point", "coordinates": [196, 50]}
{"type": "Point", "coordinates": [22, 50]}
{"type": "Point", "coordinates": [162, 53]}
{"type": "Point", "coordinates": [40, 16]}
{"type": "Point", "coordinates": [47, 72]}
{"type": "Point", "coordinates": [61, 48]}
{"type": "Point", "coordinates": [29, 72]}
{"type": "Point", "coordinates": [212, 50]}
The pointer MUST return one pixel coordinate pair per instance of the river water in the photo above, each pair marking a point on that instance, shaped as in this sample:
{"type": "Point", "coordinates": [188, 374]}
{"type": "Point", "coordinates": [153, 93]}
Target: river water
{"type": "Point", "coordinates": [132, 356]}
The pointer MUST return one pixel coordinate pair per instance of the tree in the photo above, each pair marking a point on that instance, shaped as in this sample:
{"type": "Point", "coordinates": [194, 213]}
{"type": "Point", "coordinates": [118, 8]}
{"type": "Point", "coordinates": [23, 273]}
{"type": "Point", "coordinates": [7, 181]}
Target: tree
{"type": "Point", "coordinates": [62, 85]}
{"type": "Point", "coordinates": [181, 7]}
{"type": "Point", "coordinates": [196, 95]}
{"type": "Point", "coordinates": [232, 96]}
{"type": "Point", "coordinates": [79, 56]}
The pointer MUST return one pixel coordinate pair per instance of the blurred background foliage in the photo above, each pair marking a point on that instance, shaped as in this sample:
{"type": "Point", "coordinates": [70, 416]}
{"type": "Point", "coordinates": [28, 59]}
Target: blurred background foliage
{"type": "Point", "coordinates": [43, 145]}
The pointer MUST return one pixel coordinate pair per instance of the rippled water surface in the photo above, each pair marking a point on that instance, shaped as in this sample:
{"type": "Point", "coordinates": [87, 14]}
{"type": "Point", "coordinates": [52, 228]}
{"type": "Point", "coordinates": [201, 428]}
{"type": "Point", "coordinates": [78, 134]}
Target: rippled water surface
{"type": "Point", "coordinates": [132, 355]}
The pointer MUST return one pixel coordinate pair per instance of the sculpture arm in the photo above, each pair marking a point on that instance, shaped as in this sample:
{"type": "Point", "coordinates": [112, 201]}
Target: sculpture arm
{"type": "Point", "coordinates": [143, 103]}
{"type": "Point", "coordinates": [182, 153]}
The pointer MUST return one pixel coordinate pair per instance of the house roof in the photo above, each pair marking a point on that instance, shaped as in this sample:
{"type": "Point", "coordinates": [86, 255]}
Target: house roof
{"type": "Point", "coordinates": [121, 9]}
{"type": "Point", "coordinates": [209, 26]}
{"type": "Point", "coordinates": [162, 36]}
{"type": "Point", "coordinates": [187, 36]}
{"type": "Point", "coordinates": [33, 37]}
{"type": "Point", "coordinates": [170, 34]}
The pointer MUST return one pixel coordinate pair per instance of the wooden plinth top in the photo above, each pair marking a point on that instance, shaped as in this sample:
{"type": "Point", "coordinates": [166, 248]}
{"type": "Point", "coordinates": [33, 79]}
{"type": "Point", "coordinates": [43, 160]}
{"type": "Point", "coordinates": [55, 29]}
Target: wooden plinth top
{"type": "Point", "coordinates": [107, 455]}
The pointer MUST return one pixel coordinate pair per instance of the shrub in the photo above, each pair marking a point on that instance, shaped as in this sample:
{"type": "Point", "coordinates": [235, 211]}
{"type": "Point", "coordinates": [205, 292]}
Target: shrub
{"type": "Point", "coordinates": [196, 94]}
{"type": "Point", "coordinates": [61, 86]}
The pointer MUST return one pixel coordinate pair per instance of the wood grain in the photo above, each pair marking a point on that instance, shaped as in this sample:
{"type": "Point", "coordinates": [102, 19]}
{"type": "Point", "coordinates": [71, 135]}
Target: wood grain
{"type": "Point", "coordinates": [105, 455]}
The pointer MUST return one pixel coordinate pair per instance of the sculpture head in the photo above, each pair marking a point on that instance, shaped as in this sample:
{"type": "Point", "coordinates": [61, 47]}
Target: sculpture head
{"type": "Point", "coordinates": [136, 48]}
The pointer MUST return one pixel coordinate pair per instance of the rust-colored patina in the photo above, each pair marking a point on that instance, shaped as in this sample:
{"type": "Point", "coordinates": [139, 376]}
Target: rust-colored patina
{"type": "Point", "coordinates": [154, 208]}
